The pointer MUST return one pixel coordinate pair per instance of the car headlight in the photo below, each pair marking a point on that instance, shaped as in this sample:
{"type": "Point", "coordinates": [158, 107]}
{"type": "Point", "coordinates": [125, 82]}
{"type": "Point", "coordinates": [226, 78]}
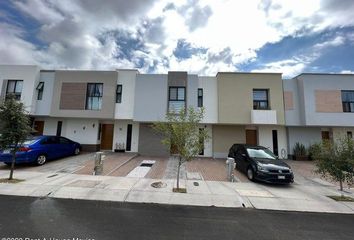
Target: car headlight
{"type": "Point", "coordinates": [261, 168]}
{"type": "Point", "coordinates": [290, 171]}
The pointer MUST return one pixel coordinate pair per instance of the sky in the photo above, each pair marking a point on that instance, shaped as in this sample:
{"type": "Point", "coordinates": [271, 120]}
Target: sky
{"type": "Point", "coordinates": [199, 36]}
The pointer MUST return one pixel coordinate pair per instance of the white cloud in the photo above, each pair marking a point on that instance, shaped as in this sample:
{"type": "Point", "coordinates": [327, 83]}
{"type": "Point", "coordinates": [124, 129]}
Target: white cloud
{"type": "Point", "coordinates": [231, 31]}
{"type": "Point", "coordinates": [289, 68]}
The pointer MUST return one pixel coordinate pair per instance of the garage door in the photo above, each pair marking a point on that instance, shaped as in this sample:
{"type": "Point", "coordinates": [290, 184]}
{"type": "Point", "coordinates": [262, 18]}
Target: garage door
{"type": "Point", "coordinates": [150, 142]}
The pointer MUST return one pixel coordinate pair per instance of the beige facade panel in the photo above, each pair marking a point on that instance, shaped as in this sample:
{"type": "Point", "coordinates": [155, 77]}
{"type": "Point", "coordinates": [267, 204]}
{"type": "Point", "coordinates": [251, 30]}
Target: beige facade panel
{"type": "Point", "coordinates": [73, 96]}
{"type": "Point", "coordinates": [328, 101]}
{"type": "Point", "coordinates": [235, 96]}
{"type": "Point", "coordinates": [288, 100]}
{"type": "Point", "coordinates": [80, 79]}
{"type": "Point", "coordinates": [226, 135]}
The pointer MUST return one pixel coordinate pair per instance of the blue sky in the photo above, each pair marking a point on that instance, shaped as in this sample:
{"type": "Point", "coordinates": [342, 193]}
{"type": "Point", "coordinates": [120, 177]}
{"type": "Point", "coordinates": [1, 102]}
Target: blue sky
{"type": "Point", "coordinates": [198, 36]}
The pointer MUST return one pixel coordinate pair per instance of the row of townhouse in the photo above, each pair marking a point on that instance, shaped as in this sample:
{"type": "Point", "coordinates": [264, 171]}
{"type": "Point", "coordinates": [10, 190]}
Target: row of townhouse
{"type": "Point", "coordinates": [109, 110]}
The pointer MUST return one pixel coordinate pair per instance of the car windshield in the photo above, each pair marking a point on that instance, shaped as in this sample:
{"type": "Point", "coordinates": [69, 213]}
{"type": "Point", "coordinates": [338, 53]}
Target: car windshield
{"type": "Point", "coordinates": [261, 153]}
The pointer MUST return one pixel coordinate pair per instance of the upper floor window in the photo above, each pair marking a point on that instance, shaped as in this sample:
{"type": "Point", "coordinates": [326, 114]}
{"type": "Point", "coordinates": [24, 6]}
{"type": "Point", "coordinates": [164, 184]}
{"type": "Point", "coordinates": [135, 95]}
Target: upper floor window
{"type": "Point", "coordinates": [119, 93]}
{"type": "Point", "coordinates": [40, 89]}
{"type": "Point", "coordinates": [200, 97]}
{"type": "Point", "coordinates": [14, 87]}
{"type": "Point", "coordinates": [348, 101]}
{"type": "Point", "coordinates": [94, 96]}
{"type": "Point", "coordinates": [176, 99]}
{"type": "Point", "coordinates": [260, 99]}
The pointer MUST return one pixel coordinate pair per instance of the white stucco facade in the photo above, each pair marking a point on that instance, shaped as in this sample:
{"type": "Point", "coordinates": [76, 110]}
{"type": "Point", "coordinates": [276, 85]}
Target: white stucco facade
{"type": "Point", "coordinates": [125, 109]}
{"type": "Point", "coordinates": [120, 134]}
{"type": "Point", "coordinates": [30, 76]}
{"type": "Point", "coordinates": [210, 98]}
{"type": "Point", "coordinates": [43, 105]}
{"type": "Point", "coordinates": [265, 139]}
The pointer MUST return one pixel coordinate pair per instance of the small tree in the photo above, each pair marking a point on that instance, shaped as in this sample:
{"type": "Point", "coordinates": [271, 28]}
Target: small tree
{"type": "Point", "coordinates": [14, 127]}
{"type": "Point", "coordinates": [183, 134]}
{"type": "Point", "coordinates": [336, 160]}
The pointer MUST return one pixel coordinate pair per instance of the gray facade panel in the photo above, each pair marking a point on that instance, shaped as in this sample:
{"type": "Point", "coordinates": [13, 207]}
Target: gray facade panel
{"type": "Point", "coordinates": [312, 82]}
{"type": "Point", "coordinates": [293, 117]}
{"type": "Point", "coordinates": [150, 97]}
{"type": "Point", "coordinates": [192, 91]}
{"type": "Point", "coordinates": [150, 142]}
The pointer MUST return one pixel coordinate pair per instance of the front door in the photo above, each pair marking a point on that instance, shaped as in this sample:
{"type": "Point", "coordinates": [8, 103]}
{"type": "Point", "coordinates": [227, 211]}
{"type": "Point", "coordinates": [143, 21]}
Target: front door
{"type": "Point", "coordinates": [251, 136]}
{"type": "Point", "coordinates": [107, 136]}
{"type": "Point", "coordinates": [39, 127]}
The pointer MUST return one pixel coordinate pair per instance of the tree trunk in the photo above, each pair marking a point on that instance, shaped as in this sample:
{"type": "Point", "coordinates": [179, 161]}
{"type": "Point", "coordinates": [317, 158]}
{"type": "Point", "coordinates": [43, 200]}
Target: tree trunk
{"type": "Point", "coordinates": [13, 163]}
{"type": "Point", "coordinates": [178, 170]}
{"type": "Point", "coordinates": [341, 186]}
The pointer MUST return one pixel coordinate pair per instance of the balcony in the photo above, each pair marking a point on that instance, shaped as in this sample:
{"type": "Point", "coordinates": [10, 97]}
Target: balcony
{"type": "Point", "coordinates": [263, 116]}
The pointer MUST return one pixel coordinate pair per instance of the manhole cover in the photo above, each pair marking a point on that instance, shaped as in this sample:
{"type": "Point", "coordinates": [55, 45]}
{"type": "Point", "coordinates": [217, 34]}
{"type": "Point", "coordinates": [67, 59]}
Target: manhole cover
{"type": "Point", "coordinates": [158, 185]}
{"type": "Point", "coordinates": [196, 184]}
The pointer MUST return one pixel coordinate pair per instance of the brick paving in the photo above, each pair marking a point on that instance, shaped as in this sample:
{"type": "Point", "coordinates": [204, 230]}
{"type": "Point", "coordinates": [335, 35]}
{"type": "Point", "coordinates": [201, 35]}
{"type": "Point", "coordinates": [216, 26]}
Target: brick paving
{"type": "Point", "coordinates": [212, 169]}
{"type": "Point", "coordinates": [111, 161]}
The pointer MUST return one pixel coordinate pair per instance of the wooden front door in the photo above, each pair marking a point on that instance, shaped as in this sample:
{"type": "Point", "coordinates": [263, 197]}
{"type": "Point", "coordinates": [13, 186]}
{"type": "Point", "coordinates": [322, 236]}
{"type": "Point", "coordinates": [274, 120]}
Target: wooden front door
{"type": "Point", "coordinates": [39, 127]}
{"type": "Point", "coordinates": [251, 136]}
{"type": "Point", "coordinates": [107, 136]}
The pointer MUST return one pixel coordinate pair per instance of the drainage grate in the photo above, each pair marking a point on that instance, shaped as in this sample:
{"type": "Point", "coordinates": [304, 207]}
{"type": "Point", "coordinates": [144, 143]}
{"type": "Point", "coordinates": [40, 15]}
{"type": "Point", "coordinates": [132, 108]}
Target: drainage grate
{"type": "Point", "coordinates": [146, 165]}
{"type": "Point", "coordinates": [54, 175]}
{"type": "Point", "coordinates": [196, 184]}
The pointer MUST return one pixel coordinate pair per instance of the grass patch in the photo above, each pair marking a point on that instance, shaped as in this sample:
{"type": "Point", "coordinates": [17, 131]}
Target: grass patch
{"type": "Point", "coordinates": [15, 180]}
{"type": "Point", "coordinates": [342, 198]}
{"type": "Point", "coordinates": [180, 190]}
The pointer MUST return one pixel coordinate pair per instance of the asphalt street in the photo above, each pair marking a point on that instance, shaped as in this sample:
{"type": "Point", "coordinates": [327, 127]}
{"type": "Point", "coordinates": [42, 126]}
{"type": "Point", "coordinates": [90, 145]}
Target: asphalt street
{"type": "Point", "coordinates": [34, 218]}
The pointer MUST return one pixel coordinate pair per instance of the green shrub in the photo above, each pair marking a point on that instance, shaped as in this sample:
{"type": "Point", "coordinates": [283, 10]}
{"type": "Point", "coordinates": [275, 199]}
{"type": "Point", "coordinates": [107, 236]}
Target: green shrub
{"type": "Point", "coordinates": [299, 149]}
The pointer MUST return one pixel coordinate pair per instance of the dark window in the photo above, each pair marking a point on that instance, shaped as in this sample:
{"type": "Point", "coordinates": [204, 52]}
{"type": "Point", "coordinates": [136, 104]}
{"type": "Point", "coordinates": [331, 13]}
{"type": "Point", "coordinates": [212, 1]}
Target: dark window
{"type": "Point", "coordinates": [200, 97]}
{"type": "Point", "coordinates": [14, 87]}
{"type": "Point", "coordinates": [275, 142]}
{"type": "Point", "coordinates": [59, 125]}
{"type": "Point", "coordinates": [348, 101]}
{"type": "Point", "coordinates": [119, 93]}
{"type": "Point", "coordinates": [40, 89]}
{"type": "Point", "coordinates": [50, 140]}
{"type": "Point", "coordinates": [64, 140]}
{"type": "Point", "coordinates": [94, 96]}
{"type": "Point", "coordinates": [176, 99]}
{"type": "Point", "coordinates": [260, 99]}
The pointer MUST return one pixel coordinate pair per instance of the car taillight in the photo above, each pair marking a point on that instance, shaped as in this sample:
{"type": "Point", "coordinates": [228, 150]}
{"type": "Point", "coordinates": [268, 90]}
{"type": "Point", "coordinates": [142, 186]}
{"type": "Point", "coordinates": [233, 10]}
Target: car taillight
{"type": "Point", "coordinates": [24, 149]}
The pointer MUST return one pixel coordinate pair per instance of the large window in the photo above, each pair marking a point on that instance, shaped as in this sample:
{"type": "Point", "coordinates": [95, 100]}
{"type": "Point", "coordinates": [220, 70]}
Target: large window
{"type": "Point", "coordinates": [119, 93]}
{"type": "Point", "coordinates": [260, 99]}
{"type": "Point", "coordinates": [348, 101]}
{"type": "Point", "coordinates": [14, 87]}
{"type": "Point", "coordinates": [94, 96]}
{"type": "Point", "coordinates": [40, 89]}
{"type": "Point", "coordinates": [176, 99]}
{"type": "Point", "coordinates": [200, 97]}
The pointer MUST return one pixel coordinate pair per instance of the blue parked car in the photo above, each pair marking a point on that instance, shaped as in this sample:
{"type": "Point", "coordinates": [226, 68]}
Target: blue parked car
{"type": "Point", "coordinates": [40, 149]}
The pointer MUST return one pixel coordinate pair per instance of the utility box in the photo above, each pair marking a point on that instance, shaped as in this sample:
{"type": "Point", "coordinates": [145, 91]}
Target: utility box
{"type": "Point", "coordinates": [230, 166]}
{"type": "Point", "coordinates": [99, 158]}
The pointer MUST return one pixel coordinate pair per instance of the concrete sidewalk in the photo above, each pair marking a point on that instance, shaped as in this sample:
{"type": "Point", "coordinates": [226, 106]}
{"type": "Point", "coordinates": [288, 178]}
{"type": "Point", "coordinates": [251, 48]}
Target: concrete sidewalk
{"type": "Point", "coordinates": [199, 193]}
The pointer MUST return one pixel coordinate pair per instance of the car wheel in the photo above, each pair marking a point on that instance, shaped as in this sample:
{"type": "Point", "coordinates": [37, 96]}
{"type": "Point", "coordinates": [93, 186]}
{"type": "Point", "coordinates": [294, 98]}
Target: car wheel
{"type": "Point", "coordinates": [41, 159]}
{"type": "Point", "coordinates": [77, 151]}
{"type": "Point", "coordinates": [250, 173]}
